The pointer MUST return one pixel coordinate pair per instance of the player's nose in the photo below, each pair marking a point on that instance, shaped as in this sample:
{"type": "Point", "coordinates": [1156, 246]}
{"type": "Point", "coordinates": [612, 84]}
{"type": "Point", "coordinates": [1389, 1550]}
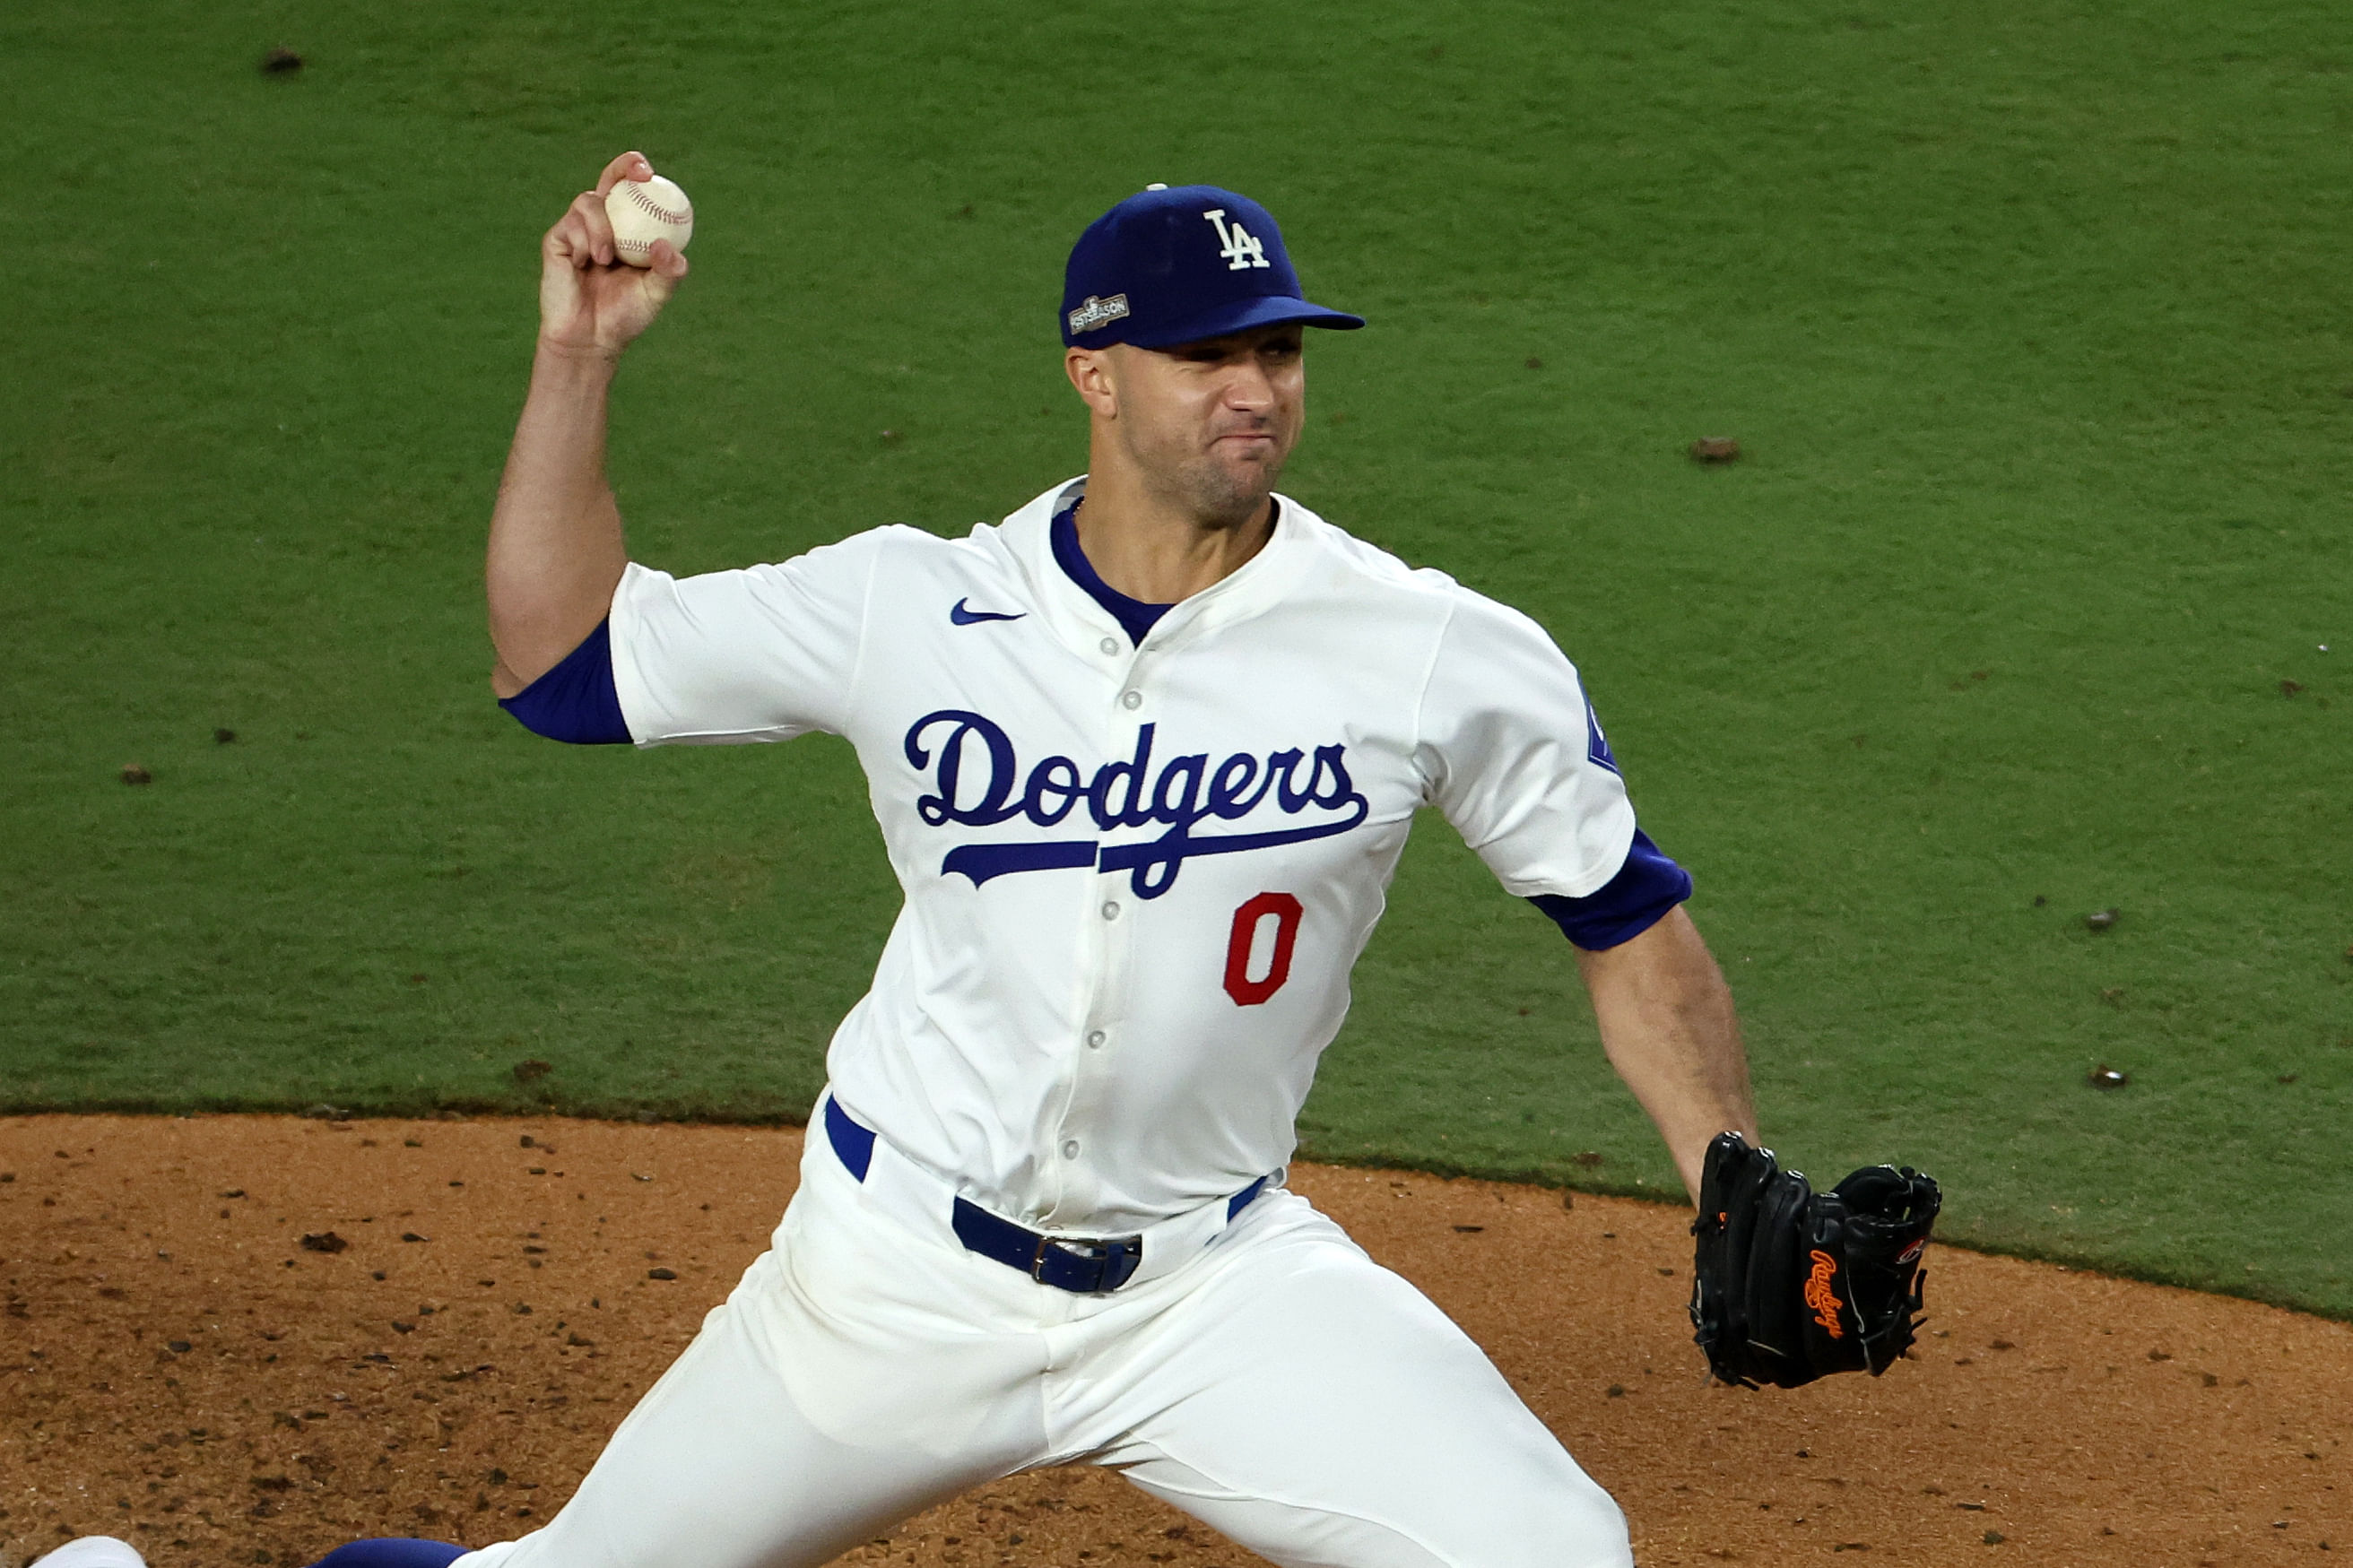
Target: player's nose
{"type": "Point", "coordinates": [1249, 387]}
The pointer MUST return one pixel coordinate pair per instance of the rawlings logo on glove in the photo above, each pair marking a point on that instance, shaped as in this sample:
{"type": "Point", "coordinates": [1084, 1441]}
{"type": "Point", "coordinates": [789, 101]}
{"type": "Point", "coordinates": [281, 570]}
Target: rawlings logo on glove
{"type": "Point", "coordinates": [1821, 1298]}
{"type": "Point", "coordinates": [1772, 1254]}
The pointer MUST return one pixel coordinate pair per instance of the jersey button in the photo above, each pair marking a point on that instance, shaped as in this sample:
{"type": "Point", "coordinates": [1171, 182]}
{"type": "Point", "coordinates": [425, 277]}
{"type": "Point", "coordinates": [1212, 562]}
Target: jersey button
{"type": "Point", "coordinates": [1095, 1039]}
{"type": "Point", "coordinates": [1132, 700]}
{"type": "Point", "coordinates": [1070, 1149]}
{"type": "Point", "coordinates": [1110, 645]}
{"type": "Point", "coordinates": [1111, 909]}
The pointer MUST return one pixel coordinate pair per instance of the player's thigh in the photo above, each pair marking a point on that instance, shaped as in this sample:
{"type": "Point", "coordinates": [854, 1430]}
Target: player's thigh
{"type": "Point", "coordinates": [1321, 1410]}
{"type": "Point", "coordinates": [785, 1433]}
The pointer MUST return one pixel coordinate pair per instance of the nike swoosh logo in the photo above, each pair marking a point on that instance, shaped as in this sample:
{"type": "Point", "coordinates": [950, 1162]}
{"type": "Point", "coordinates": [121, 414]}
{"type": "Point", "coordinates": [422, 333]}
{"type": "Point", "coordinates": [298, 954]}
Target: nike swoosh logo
{"type": "Point", "coordinates": [965, 617]}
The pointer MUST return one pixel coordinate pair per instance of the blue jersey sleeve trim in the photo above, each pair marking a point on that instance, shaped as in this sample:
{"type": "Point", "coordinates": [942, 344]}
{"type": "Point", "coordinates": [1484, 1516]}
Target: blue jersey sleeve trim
{"type": "Point", "coordinates": [575, 701]}
{"type": "Point", "coordinates": [1638, 898]}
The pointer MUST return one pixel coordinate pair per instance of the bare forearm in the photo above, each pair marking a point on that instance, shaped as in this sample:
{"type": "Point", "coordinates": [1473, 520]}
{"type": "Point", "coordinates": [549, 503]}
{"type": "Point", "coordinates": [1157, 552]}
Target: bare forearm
{"type": "Point", "coordinates": [1668, 1024]}
{"type": "Point", "coordinates": [556, 551]}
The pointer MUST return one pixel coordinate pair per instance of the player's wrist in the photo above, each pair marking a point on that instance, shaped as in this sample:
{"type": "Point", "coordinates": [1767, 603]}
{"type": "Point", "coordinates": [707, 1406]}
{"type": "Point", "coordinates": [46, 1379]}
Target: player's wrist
{"type": "Point", "coordinates": [570, 356]}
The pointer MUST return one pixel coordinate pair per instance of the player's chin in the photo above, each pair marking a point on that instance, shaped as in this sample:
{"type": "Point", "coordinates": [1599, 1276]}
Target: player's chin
{"type": "Point", "coordinates": [1219, 496]}
{"type": "Point", "coordinates": [1251, 462]}
{"type": "Point", "coordinates": [1249, 470]}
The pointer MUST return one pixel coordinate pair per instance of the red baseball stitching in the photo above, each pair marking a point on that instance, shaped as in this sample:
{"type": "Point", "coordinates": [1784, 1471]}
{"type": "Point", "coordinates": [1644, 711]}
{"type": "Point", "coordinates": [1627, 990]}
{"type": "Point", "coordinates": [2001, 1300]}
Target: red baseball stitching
{"type": "Point", "coordinates": [636, 192]}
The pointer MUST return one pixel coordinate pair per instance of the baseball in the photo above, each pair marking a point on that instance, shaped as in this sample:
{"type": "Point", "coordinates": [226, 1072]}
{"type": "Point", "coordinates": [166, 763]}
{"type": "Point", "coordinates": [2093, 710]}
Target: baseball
{"type": "Point", "coordinates": [643, 211]}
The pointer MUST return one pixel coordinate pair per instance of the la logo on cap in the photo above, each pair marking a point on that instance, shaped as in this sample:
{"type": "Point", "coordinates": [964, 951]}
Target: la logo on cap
{"type": "Point", "coordinates": [1240, 248]}
{"type": "Point", "coordinates": [1140, 274]}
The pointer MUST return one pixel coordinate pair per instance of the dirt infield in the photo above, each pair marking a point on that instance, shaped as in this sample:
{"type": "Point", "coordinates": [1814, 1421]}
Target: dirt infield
{"type": "Point", "coordinates": [245, 1340]}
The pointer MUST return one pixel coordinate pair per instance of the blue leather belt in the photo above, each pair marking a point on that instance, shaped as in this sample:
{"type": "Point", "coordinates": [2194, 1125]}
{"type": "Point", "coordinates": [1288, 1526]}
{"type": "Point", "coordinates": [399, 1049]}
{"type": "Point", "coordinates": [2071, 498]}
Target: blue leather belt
{"type": "Point", "coordinates": [1085, 1265]}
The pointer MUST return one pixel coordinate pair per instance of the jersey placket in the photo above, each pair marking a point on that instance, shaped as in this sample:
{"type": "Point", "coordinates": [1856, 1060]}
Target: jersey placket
{"type": "Point", "coordinates": [1095, 1053]}
{"type": "Point", "coordinates": [1106, 1025]}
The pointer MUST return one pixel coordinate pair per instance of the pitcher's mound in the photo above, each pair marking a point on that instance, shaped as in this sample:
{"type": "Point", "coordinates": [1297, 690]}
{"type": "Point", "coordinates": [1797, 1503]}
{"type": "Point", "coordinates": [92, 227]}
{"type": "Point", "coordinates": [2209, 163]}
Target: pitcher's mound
{"type": "Point", "coordinates": [183, 1370]}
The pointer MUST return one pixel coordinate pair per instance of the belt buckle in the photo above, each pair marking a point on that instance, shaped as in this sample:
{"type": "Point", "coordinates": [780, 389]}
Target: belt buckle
{"type": "Point", "coordinates": [1091, 1251]}
{"type": "Point", "coordinates": [1114, 1260]}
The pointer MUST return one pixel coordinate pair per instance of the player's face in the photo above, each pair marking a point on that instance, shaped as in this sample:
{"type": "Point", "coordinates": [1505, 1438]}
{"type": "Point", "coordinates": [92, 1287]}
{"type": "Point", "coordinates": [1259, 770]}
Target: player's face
{"type": "Point", "coordinates": [1210, 424]}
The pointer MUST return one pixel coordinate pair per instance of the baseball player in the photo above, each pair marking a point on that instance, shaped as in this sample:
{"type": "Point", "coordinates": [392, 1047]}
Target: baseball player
{"type": "Point", "coordinates": [1143, 755]}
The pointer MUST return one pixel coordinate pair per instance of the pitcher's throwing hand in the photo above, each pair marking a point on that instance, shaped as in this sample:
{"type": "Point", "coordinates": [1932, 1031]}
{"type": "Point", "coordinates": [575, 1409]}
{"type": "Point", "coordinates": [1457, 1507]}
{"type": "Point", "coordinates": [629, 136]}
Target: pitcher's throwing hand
{"type": "Point", "coordinates": [590, 298]}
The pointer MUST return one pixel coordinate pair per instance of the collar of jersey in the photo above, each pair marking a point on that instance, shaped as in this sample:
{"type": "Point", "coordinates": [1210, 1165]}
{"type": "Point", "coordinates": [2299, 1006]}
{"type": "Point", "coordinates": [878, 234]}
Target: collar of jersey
{"type": "Point", "coordinates": [1074, 615]}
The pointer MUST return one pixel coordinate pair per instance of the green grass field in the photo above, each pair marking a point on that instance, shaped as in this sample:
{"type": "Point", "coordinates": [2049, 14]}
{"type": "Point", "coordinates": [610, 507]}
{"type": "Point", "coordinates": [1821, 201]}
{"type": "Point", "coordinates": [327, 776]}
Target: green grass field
{"type": "Point", "coordinates": [2033, 323]}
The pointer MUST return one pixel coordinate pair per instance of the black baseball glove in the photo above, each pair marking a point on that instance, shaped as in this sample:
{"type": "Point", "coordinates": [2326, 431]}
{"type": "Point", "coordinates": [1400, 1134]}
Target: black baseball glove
{"type": "Point", "coordinates": [1789, 1283]}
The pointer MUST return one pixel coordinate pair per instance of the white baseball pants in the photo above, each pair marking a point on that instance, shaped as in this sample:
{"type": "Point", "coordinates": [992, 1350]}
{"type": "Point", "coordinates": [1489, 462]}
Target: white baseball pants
{"type": "Point", "coordinates": [1275, 1384]}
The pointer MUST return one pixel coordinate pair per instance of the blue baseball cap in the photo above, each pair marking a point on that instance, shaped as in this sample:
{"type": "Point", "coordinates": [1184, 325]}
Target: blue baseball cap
{"type": "Point", "coordinates": [1172, 266]}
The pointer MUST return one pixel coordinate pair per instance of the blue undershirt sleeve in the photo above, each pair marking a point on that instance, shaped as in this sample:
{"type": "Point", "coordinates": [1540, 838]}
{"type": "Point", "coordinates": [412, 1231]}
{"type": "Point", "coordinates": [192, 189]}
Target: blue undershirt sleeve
{"type": "Point", "coordinates": [575, 701]}
{"type": "Point", "coordinates": [1645, 888]}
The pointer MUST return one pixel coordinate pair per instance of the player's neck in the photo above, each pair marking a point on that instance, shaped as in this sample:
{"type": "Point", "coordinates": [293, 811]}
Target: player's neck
{"type": "Point", "coordinates": [1157, 552]}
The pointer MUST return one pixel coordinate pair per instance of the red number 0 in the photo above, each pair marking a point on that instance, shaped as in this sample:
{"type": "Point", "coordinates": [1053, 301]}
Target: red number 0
{"type": "Point", "coordinates": [1246, 992]}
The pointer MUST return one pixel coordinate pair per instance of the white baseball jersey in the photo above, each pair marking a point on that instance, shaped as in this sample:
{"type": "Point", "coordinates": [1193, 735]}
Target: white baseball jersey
{"type": "Point", "coordinates": [1136, 877]}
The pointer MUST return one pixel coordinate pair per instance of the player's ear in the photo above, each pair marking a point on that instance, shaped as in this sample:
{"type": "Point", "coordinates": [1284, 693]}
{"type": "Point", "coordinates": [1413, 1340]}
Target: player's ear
{"type": "Point", "coordinates": [1090, 374]}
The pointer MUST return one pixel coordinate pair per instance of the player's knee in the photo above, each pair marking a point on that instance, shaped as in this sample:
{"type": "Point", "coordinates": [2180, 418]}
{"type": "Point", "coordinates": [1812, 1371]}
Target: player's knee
{"type": "Point", "coordinates": [1574, 1526]}
{"type": "Point", "coordinates": [1600, 1526]}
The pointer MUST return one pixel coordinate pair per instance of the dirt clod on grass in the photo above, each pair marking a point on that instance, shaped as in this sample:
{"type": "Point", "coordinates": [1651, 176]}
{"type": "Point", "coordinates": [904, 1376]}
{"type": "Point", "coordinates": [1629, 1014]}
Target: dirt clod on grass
{"type": "Point", "coordinates": [180, 1372]}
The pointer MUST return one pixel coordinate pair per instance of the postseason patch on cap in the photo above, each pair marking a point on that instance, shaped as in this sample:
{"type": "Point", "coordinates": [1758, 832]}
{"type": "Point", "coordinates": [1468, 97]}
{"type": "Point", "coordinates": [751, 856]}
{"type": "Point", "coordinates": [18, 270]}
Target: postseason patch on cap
{"type": "Point", "coordinates": [1096, 312]}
